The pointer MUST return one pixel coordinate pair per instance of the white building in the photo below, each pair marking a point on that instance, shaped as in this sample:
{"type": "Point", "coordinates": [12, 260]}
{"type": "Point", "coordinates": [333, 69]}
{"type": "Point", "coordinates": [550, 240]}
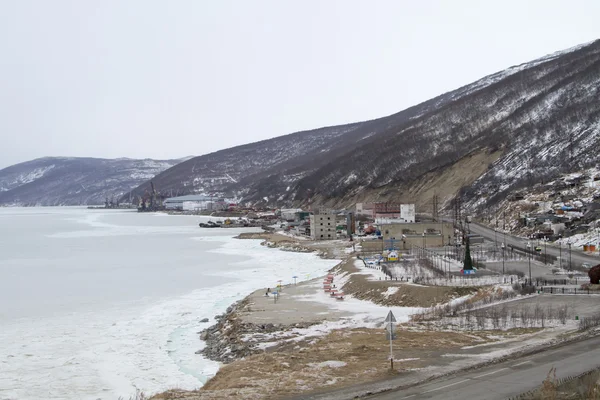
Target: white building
{"type": "Point", "coordinates": [322, 225]}
{"type": "Point", "coordinates": [407, 212]}
{"type": "Point", "coordinates": [407, 215]}
{"type": "Point", "coordinates": [194, 202]}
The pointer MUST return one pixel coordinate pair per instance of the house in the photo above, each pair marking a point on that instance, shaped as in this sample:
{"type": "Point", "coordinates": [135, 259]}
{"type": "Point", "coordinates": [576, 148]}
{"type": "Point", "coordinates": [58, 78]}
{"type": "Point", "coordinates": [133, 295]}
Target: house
{"type": "Point", "coordinates": [322, 225]}
{"type": "Point", "coordinates": [289, 214]}
{"type": "Point", "coordinates": [365, 209]}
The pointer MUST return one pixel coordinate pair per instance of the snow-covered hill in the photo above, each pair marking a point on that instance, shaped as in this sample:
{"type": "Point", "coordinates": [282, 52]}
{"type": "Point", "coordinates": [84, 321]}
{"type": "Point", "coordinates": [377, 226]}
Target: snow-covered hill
{"type": "Point", "coordinates": [53, 181]}
{"type": "Point", "coordinates": [511, 129]}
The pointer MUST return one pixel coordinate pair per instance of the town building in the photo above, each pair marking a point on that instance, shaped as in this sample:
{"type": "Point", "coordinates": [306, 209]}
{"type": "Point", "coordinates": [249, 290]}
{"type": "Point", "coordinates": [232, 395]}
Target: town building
{"type": "Point", "coordinates": [365, 209]}
{"type": "Point", "coordinates": [323, 225]}
{"type": "Point", "coordinates": [394, 213]}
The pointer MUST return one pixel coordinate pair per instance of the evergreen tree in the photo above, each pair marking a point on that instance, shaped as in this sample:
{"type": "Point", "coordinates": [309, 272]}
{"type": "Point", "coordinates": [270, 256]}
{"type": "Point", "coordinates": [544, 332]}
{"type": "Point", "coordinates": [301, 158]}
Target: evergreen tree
{"type": "Point", "coordinates": [468, 264]}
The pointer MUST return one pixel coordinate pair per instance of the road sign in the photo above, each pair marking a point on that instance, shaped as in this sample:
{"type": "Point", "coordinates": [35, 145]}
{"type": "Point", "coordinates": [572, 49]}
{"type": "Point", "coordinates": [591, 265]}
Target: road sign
{"type": "Point", "coordinates": [390, 317]}
{"type": "Point", "coordinates": [389, 335]}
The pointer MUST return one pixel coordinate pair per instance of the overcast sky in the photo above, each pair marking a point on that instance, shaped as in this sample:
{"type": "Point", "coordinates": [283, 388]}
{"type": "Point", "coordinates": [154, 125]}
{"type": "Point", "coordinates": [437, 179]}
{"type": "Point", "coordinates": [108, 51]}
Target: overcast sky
{"type": "Point", "coordinates": [167, 79]}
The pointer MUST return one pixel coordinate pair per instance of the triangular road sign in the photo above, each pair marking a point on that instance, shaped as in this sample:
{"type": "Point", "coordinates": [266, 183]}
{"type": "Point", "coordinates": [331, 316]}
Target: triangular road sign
{"type": "Point", "coordinates": [390, 317]}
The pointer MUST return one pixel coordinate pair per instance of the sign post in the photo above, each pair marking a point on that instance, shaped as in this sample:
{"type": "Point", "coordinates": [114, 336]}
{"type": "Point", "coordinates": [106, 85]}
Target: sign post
{"type": "Point", "coordinates": [389, 327]}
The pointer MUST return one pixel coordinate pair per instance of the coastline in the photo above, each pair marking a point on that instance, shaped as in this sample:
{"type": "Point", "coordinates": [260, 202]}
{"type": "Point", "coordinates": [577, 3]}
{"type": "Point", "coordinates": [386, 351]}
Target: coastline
{"type": "Point", "coordinates": [222, 339]}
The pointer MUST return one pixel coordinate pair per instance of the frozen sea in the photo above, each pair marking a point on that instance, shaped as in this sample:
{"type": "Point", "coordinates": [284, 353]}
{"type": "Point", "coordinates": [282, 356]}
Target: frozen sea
{"type": "Point", "coordinates": [95, 304]}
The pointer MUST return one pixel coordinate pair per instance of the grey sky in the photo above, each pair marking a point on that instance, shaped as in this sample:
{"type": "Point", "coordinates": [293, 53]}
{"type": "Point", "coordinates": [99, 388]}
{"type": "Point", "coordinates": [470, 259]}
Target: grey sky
{"type": "Point", "coordinates": [166, 79]}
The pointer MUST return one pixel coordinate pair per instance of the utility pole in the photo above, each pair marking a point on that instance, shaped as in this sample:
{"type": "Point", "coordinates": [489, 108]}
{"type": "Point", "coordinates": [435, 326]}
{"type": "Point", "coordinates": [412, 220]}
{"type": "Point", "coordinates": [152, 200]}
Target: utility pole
{"type": "Point", "coordinates": [529, 258]}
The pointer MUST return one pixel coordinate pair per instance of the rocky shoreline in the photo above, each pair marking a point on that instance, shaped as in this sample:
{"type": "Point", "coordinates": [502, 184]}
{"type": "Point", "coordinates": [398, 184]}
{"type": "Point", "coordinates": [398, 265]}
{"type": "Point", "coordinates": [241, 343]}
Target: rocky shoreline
{"type": "Point", "coordinates": [224, 339]}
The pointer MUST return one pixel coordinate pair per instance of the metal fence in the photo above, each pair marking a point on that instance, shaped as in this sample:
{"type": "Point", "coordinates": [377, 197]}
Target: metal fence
{"type": "Point", "coordinates": [563, 290]}
{"type": "Point", "coordinates": [559, 282]}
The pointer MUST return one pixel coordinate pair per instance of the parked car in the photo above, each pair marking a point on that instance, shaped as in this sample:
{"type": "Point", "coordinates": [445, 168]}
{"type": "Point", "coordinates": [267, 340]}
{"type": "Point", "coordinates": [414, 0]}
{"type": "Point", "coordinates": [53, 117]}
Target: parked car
{"type": "Point", "coordinates": [586, 266]}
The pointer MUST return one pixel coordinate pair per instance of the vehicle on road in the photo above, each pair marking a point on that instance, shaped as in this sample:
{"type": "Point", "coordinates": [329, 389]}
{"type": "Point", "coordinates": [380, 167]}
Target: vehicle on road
{"type": "Point", "coordinates": [586, 265]}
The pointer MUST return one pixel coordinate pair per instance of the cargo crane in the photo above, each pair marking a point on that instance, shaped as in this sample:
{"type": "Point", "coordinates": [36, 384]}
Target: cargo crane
{"type": "Point", "coordinates": [152, 201]}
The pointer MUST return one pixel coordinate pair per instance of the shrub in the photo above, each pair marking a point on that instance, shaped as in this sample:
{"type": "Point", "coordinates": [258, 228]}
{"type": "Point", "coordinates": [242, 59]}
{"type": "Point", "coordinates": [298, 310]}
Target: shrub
{"type": "Point", "coordinates": [594, 274]}
{"type": "Point", "coordinates": [520, 274]}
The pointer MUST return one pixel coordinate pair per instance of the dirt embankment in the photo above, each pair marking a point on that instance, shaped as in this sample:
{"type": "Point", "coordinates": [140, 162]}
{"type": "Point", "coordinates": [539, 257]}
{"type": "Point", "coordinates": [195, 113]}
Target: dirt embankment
{"type": "Point", "coordinates": [341, 358]}
{"type": "Point", "coordinates": [406, 295]}
{"type": "Point", "coordinates": [394, 293]}
{"type": "Point", "coordinates": [329, 249]}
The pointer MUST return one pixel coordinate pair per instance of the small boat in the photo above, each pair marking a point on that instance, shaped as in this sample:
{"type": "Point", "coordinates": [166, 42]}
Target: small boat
{"type": "Point", "coordinates": [209, 224]}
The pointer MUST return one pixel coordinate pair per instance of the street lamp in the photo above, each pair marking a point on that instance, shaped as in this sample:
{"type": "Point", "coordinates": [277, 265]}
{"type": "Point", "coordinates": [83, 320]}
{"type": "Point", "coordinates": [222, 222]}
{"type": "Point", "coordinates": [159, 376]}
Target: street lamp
{"type": "Point", "coordinates": [529, 258]}
{"type": "Point", "coordinates": [495, 241]}
{"type": "Point", "coordinates": [502, 259]}
{"type": "Point", "coordinates": [560, 251]}
{"type": "Point", "coordinates": [570, 265]}
{"type": "Point", "coordinates": [424, 240]}
{"type": "Point", "coordinates": [545, 254]}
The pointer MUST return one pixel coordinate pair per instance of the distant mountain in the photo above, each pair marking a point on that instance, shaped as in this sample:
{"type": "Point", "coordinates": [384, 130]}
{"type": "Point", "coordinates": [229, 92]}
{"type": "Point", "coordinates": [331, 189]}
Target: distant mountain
{"type": "Point", "coordinates": [52, 181]}
{"type": "Point", "coordinates": [508, 130]}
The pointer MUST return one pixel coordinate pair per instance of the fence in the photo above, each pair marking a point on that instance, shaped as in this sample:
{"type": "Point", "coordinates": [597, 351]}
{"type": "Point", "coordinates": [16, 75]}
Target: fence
{"type": "Point", "coordinates": [559, 282]}
{"type": "Point", "coordinates": [563, 290]}
{"type": "Point", "coordinates": [541, 257]}
{"type": "Point", "coordinates": [537, 393]}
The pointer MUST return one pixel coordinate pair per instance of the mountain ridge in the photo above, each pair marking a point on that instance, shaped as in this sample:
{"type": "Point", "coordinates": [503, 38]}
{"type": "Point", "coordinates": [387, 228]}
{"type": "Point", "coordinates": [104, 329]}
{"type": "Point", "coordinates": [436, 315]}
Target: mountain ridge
{"type": "Point", "coordinates": [62, 180]}
{"type": "Point", "coordinates": [504, 119]}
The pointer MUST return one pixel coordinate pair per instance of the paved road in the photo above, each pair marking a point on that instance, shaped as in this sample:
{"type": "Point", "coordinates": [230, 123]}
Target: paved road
{"type": "Point", "coordinates": [506, 379]}
{"type": "Point", "coordinates": [577, 258]}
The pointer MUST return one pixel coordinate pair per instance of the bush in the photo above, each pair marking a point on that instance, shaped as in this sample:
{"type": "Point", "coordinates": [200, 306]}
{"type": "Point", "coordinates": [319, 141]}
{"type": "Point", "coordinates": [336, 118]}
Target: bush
{"type": "Point", "coordinates": [520, 274]}
{"type": "Point", "coordinates": [594, 274]}
{"type": "Point", "coordinates": [523, 290]}
{"type": "Point", "coordinates": [589, 322]}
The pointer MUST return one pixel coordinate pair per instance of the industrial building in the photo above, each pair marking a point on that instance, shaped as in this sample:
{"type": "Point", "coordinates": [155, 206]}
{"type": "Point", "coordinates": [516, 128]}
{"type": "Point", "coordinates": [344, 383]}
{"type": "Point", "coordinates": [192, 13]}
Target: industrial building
{"type": "Point", "coordinates": [194, 202]}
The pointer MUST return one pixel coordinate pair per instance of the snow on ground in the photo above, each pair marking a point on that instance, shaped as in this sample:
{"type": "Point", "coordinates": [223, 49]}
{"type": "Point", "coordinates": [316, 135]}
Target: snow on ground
{"type": "Point", "coordinates": [488, 280]}
{"type": "Point", "coordinates": [373, 271]}
{"type": "Point", "coordinates": [328, 364]}
{"type": "Point", "coordinates": [365, 311]}
{"type": "Point", "coordinates": [577, 241]}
